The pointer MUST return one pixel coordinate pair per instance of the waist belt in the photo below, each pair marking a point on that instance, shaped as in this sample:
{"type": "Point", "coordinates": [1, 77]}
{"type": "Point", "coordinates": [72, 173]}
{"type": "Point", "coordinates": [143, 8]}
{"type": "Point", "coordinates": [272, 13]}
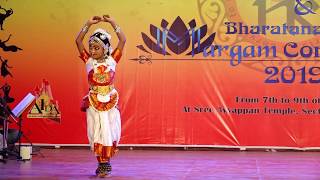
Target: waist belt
{"type": "Point", "coordinates": [103, 90]}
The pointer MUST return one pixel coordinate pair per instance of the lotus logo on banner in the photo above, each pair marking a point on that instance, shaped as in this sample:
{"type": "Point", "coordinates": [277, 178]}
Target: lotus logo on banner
{"type": "Point", "coordinates": [177, 39]}
{"type": "Point", "coordinates": [45, 106]}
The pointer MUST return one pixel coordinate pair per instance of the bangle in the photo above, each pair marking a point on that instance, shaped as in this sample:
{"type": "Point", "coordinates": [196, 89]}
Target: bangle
{"type": "Point", "coordinates": [85, 28]}
{"type": "Point", "coordinates": [117, 29]}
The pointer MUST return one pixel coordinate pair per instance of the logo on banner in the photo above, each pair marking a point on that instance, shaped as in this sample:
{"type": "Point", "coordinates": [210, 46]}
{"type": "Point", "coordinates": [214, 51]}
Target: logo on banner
{"type": "Point", "coordinates": [177, 39]}
{"type": "Point", "coordinates": [45, 106]}
{"type": "Point", "coordinates": [304, 8]}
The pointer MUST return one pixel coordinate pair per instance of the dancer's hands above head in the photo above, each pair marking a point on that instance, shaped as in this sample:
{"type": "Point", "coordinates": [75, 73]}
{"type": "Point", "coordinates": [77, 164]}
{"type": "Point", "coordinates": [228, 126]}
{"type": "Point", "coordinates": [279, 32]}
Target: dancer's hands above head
{"type": "Point", "coordinates": [84, 30]}
{"type": "Point", "coordinates": [94, 20]}
{"type": "Point", "coordinates": [107, 18]}
{"type": "Point", "coordinates": [117, 29]}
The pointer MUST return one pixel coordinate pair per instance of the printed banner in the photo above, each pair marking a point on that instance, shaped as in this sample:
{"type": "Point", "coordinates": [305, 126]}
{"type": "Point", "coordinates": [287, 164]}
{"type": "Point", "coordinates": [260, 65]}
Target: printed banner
{"type": "Point", "coordinates": [193, 72]}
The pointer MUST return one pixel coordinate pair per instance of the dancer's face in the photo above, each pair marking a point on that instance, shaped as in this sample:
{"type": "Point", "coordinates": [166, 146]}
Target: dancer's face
{"type": "Point", "coordinates": [96, 51]}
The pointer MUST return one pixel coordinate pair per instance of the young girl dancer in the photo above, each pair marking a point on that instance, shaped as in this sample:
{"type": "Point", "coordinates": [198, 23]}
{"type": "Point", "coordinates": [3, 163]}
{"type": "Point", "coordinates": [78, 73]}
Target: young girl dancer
{"type": "Point", "coordinates": [103, 117]}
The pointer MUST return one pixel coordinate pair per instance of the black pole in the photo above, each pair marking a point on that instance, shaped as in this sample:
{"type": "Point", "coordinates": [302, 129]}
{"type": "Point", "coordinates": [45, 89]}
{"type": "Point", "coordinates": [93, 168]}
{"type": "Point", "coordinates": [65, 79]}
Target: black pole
{"type": "Point", "coordinates": [19, 134]}
{"type": "Point", "coordinates": [3, 152]}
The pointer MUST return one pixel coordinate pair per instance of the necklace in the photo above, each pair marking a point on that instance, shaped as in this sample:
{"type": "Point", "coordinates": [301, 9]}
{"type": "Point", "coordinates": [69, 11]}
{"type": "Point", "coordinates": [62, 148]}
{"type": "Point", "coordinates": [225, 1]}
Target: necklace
{"type": "Point", "coordinates": [101, 61]}
{"type": "Point", "coordinates": [96, 62]}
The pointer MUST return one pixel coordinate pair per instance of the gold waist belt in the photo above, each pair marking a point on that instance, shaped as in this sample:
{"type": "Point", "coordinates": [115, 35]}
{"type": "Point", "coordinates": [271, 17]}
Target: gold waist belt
{"type": "Point", "coordinates": [103, 90]}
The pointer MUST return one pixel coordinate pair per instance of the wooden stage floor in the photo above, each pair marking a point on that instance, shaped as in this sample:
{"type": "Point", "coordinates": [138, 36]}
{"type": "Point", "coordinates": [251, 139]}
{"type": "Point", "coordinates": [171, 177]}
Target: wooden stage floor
{"type": "Point", "coordinates": [79, 163]}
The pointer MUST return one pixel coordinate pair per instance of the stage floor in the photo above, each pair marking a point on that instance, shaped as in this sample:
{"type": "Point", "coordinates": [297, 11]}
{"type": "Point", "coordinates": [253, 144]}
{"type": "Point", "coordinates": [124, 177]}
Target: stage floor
{"type": "Point", "coordinates": [79, 163]}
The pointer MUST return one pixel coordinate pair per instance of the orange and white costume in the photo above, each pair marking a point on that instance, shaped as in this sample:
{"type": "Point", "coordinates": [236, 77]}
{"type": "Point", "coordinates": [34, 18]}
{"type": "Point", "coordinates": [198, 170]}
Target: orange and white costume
{"type": "Point", "coordinates": [103, 117]}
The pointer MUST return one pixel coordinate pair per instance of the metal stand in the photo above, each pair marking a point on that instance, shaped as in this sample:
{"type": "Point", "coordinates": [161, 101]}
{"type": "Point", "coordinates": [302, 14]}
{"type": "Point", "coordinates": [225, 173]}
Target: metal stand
{"type": "Point", "coordinates": [4, 117]}
{"type": "Point", "coordinates": [3, 151]}
{"type": "Point", "coordinates": [15, 116]}
{"type": "Point", "coordinates": [20, 134]}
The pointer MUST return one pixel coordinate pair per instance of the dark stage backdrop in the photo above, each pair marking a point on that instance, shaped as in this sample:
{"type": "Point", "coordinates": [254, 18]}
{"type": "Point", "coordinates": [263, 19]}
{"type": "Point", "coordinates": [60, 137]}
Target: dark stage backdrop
{"type": "Point", "coordinates": [185, 77]}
